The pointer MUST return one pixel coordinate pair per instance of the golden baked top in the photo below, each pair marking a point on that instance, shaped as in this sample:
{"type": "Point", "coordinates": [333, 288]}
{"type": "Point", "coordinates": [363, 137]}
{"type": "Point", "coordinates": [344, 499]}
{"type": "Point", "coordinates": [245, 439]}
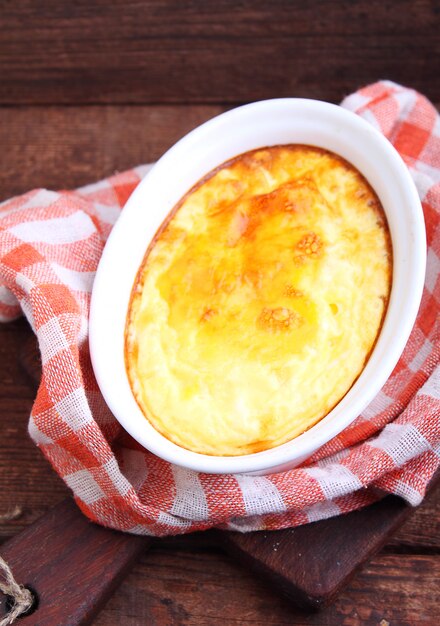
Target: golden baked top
{"type": "Point", "coordinates": [258, 301]}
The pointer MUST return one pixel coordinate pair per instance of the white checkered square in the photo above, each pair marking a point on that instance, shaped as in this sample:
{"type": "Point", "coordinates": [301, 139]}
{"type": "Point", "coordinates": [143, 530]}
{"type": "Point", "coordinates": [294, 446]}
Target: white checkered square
{"type": "Point", "coordinates": [421, 356]}
{"type": "Point", "coordinates": [25, 282]}
{"type": "Point", "coordinates": [190, 500]}
{"type": "Point", "coordinates": [423, 182]}
{"type": "Point", "coordinates": [57, 230]}
{"type": "Point", "coordinates": [379, 404]}
{"type": "Point", "coordinates": [77, 281]}
{"type": "Point", "coordinates": [52, 339]}
{"type": "Point", "coordinates": [260, 495]}
{"type": "Point", "coordinates": [432, 270]}
{"type": "Point", "coordinates": [432, 386]}
{"type": "Point", "coordinates": [7, 297]}
{"type": "Point", "coordinates": [84, 486]}
{"type": "Point", "coordinates": [410, 494]}
{"type": "Point", "coordinates": [134, 467]}
{"type": "Point", "coordinates": [334, 480]}
{"type": "Point", "coordinates": [322, 510]}
{"type": "Point", "coordinates": [74, 410]}
{"type": "Point", "coordinates": [401, 442]}
{"type": "Point", "coordinates": [117, 479]}
{"type": "Point", "coordinates": [170, 520]}
{"type": "Point", "coordinates": [42, 197]}
{"type": "Point", "coordinates": [35, 433]}
{"type": "Point", "coordinates": [27, 312]}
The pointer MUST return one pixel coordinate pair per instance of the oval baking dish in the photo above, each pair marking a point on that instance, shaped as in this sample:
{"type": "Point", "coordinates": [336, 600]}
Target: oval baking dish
{"type": "Point", "coordinates": [267, 123]}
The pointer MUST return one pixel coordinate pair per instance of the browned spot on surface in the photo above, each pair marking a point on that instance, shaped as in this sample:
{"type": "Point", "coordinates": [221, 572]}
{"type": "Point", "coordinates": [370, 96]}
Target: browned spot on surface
{"type": "Point", "coordinates": [208, 314]}
{"type": "Point", "coordinates": [279, 318]}
{"type": "Point", "coordinates": [291, 292]}
{"type": "Point", "coordinates": [310, 245]}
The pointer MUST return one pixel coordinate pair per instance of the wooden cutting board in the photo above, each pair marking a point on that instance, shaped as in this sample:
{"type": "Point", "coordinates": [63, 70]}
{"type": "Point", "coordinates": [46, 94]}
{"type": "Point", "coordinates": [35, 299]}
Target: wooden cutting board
{"type": "Point", "coordinates": [73, 565]}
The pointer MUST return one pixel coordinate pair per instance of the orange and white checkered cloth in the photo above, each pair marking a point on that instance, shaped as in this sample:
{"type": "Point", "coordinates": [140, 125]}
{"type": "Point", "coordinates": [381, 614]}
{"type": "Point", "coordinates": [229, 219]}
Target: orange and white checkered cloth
{"type": "Point", "coordinates": [50, 244]}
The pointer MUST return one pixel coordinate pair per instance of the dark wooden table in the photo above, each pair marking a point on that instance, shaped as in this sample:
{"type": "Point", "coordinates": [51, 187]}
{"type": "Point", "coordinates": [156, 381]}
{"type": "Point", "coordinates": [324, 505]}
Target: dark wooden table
{"type": "Point", "coordinates": [90, 88]}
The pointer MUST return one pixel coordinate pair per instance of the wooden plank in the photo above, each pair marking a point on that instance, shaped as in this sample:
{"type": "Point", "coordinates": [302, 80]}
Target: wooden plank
{"type": "Point", "coordinates": [311, 564]}
{"type": "Point", "coordinates": [192, 582]}
{"type": "Point", "coordinates": [199, 587]}
{"type": "Point", "coordinates": [65, 147]}
{"type": "Point", "coordinates": [71, 565]}
{"type": "Point", "coordinates": [127, 52]}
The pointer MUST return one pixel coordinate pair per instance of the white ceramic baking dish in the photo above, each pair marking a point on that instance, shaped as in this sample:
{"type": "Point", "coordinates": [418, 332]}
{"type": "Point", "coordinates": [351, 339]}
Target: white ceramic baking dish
{"type": "Point", "coordinates": [270, 122]}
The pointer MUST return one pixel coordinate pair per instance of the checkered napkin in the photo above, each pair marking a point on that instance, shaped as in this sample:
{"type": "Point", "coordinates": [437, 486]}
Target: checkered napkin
{"type": "Point", "coordinates": [50, 244]}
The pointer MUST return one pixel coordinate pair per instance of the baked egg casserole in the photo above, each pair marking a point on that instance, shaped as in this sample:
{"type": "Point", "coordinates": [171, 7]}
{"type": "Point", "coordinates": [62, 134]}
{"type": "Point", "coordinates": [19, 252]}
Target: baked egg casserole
{"type": "Point", "coordinates": [258, 301]}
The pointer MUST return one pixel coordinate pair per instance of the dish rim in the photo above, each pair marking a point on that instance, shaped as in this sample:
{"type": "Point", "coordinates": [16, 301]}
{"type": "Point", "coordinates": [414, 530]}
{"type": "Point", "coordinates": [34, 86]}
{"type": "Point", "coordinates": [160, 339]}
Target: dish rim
{"type": "Point", "coordinates": [382, 162]}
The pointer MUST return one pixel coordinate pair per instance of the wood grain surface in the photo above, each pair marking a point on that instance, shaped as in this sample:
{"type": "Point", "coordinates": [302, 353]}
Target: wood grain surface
{"type": "Point", "coordinates": [61, 147]}
{"type": "Point", "coordinates": [208, 52]}
{"type": "Point", "coordinates": [90, 88]}
{"type": "Point", "coordinates": [201, 587]}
